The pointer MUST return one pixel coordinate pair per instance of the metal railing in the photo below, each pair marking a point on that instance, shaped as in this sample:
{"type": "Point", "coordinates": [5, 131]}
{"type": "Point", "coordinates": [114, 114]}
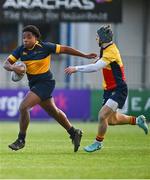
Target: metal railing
{"type": "Point", "coordinates": [133, 70]}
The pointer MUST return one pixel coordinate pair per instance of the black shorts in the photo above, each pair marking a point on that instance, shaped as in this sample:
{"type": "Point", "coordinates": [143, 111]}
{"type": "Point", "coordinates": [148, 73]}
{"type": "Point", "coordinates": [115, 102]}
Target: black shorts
{"type": "Point", "coordinates": [42, 85]}
{"type": "Point", "coordinates": [119, 95]}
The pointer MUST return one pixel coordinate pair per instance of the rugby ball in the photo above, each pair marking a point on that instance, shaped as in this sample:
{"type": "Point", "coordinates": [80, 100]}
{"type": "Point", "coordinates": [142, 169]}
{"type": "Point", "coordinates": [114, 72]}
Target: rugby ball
{"type": "Point", "coordinates": [17, 77]}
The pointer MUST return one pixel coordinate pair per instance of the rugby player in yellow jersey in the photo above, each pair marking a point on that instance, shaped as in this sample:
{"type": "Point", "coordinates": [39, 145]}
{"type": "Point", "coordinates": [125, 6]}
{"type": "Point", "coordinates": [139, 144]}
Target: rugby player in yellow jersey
{"type": "Point", "coordinates": [115, 87]}
{"type": "Point", "coordinates": [37, 57]}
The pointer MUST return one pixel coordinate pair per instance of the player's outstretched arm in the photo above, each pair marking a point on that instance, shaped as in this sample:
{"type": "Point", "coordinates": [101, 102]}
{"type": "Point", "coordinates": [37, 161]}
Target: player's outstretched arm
{"type": "Point", "coordinates": [86, 68]}
{"type": "Point", "coordinates": [75, 52]}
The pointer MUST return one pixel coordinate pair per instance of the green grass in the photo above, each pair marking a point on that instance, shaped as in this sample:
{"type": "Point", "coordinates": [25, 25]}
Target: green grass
{"type": "Point", "coordinates": [49, 153]}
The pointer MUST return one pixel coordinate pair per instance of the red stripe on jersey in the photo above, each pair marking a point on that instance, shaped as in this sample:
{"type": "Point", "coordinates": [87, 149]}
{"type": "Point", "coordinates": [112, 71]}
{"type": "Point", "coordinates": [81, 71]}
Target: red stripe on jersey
{"type": "Point", "coordinates": [110, 80]}
{"type": "Point", "coordinates": [123, 73]}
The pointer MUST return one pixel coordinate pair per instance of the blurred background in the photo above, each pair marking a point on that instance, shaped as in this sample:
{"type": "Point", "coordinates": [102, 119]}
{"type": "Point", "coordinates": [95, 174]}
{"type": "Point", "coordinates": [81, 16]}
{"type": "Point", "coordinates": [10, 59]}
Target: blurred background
{"type": "Point", "coordinates": [75, 23]}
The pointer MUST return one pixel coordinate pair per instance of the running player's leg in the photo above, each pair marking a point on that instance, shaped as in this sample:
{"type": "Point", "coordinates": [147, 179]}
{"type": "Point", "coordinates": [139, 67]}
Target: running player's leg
{"type": "Point", "coordinates": [50, 107]}
{"type": "Point", "coordinates": [104, 115]}
{"type": "Point", "coordinates": [29, 101]}
{"type": "Point", "coordinates": [75, 134]}
{"type": "Point", "coordinates": [120, 119]}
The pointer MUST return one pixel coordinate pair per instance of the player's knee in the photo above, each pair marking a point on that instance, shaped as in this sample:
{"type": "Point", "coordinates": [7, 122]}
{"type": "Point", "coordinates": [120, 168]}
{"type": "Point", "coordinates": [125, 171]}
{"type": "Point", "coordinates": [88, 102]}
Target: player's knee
{"type": "Point", "coordinates": [23, 108]}
{"type": "Point", "coordinates": [102, 116]}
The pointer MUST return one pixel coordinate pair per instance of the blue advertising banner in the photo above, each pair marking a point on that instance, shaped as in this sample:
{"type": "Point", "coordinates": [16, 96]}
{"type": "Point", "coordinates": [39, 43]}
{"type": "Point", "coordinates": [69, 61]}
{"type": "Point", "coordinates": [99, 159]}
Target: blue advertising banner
{"type": "Point", "coordinates": [75, 103]}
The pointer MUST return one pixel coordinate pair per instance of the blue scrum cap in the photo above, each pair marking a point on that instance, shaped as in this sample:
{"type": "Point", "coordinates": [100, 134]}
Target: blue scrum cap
{"type": "Point", "coordinates": [105, 34]}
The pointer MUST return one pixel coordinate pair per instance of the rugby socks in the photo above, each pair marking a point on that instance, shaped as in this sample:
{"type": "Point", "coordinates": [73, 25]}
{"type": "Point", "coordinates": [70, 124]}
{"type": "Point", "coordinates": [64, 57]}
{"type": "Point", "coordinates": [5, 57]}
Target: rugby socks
{"type": "Point", "coordinates": [132, 120]}
{"type": "Point", "coordinates": [71, 131]}
{"type": "Point", "coordinates": [99, 138]}
{"type": "Point", "coordinates": [21, 136]}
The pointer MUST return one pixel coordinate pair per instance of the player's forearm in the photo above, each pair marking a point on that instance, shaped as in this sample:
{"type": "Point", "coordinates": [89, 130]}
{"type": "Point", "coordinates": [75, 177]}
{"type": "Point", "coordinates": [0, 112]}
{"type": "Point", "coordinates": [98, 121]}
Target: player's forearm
{"type": "Point", "coordinates": [91, 67]}
{"type": "Point", "coordinates": [71, 51]}
{"type": "Point", "coordinates": [86, 68]}
{"type": "Point", "coordinates": [8, 66]}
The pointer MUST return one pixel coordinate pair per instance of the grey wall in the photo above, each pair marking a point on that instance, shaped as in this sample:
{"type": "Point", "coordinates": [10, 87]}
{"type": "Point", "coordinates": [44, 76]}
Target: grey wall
{"type": "Point", "coordinates": [128, 36]}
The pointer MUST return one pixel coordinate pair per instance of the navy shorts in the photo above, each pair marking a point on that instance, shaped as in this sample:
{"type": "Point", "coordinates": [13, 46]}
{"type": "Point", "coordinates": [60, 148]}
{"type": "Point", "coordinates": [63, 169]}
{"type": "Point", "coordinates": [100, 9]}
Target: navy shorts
{"type": "Point", "coordinates": [42, 84]}
{"type": "Point", "coordinates": [119, 95]}
{"type": "Point", "coordinates": [43, 89]}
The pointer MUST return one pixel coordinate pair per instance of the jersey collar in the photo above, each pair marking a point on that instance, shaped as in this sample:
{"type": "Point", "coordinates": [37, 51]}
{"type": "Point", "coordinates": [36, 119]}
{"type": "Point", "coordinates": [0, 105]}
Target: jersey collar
{"type": "Point", "coordinates": [36, 43]}
{"type": "Point", "coordinates": [106, 46]}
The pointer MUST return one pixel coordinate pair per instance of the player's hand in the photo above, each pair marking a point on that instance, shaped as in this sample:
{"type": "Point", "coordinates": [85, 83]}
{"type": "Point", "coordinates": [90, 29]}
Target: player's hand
{"type": "Point", "coordinates": [91, 56]}
{"type": "Point", "coordinates": [71, 69]}
{"type": "Point", "coordinates": [18, 69]}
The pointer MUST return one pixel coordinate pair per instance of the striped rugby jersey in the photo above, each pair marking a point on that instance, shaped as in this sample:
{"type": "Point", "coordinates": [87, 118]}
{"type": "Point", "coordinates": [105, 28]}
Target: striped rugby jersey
{"type": "Point", "coordinates": [37, 59]}
{"type": "Point", "coordinates": [113, 73]}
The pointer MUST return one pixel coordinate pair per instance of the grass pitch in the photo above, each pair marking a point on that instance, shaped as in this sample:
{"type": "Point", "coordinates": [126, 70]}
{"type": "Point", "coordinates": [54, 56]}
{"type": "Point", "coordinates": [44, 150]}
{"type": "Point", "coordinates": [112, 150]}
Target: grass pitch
{"type": "Point", "coordinates": [49, 153]}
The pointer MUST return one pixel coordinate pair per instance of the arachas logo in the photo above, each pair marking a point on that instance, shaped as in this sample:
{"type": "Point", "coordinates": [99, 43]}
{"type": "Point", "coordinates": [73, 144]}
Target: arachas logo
{"type": "Point", "coordinates": [49, 4]}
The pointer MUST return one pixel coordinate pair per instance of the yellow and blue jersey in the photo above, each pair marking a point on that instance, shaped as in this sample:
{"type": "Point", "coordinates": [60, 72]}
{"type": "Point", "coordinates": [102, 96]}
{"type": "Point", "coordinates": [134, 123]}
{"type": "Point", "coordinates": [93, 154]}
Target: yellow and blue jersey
{"type": "Point", "coordinates": [113, 73]}
{"type": "Point", "coordinates": [37, 59]}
